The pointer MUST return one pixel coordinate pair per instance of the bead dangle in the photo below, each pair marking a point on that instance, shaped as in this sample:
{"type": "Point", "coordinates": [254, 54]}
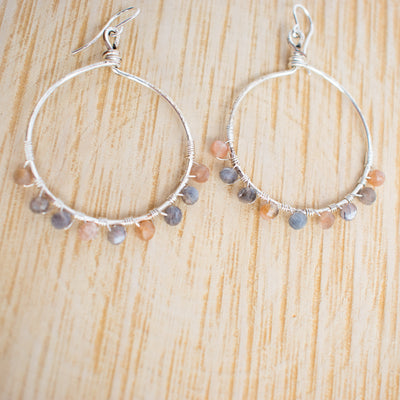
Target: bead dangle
{"type": "Point", "coordinates": [64, 215]}
{"type": "Point", "coordinates": [270, 208]}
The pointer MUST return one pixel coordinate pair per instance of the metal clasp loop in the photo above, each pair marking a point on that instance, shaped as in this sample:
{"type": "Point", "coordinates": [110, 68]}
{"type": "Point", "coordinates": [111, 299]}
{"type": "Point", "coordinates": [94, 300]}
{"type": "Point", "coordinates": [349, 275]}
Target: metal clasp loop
{"type": "Point", "coordinates": [109, 32]}
{"type": "Point", "coordinates": [297, 38]}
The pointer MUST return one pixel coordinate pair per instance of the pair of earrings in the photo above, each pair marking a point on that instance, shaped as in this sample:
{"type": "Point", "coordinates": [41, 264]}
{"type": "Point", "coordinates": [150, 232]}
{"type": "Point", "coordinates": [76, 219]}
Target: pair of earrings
{"type": "Point", "coordinates": [63, 218]}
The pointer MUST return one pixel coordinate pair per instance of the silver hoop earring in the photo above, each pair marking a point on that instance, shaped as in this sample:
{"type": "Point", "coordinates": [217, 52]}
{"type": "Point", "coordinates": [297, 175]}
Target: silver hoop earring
{"type": "Point", "coordinates": [271, 207]}
{"type": "Point", "coordinates": [63, 218]}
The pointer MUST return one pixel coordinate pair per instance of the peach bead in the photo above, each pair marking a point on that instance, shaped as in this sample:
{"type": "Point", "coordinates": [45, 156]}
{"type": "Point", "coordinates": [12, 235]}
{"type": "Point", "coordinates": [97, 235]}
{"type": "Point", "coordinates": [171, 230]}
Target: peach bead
{"type": "Point", "coordinates": [88, 231]}
{"type": "Point", "coordinates": [200, 173]}
{"type": "Point", "coordinates": [376, 178]}
{"type": "Point", "coordinates": [326, 219]}
{"type": "Point", "coordinates": [146, 230]}
{"type": "Point", "coordinates": [23, 176]}
{"type": "Point", "coordinates": [269, 210]}
{"type": "Point", "coordinates": [219, 149]}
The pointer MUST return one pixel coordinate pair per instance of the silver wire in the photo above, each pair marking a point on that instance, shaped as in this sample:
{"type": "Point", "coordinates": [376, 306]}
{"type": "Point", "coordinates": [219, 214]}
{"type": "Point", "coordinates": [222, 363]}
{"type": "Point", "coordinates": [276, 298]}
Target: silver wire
{"type": "Point", "coordinates": [117, 28]}
{"type": "Point", "coordinates": [296, 38]}
{"type": "Point", "coordinates": [112, 60]}
{"type": "Point", "coordinates": [298, 60]}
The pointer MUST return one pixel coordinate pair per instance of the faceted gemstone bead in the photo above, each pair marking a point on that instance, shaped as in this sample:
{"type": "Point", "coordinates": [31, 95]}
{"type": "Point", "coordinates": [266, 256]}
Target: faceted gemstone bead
{"type": "Point", "coordinates": [88, 231]}
{"type": "Point", "coordinates": [269, 211]}
{"type": "Point", "coordinates": [348, 211]}
{"type": "Point", "coordinates": [146, 230]}
{"type": "Point", "coordinates": [228, 175]}
{"type": "Point", "coordinates": [39, 205]}
{"type": "Point", "coordinates": [247, 195]}
{"type": "Point", "coordinates": [174, 215]}
{"type": "Point", "coordinates": [298, 220]}
{"type": "Point", "coordinates": [23, 176]}
{"type": "Point", "coordinates": [219, 149]}
{"type": "Point", "coordinates": [190, 195]}
{"type": "Point", "coordinates": [368, 195]}
{"type": "Point", "coordinates": [376, 177]}
{"type": "Point", "coordinates": [61, 220]}
{"type": "Point", "coordinates": [200, 173]}
{"type": "Point", "coordinates": [116, 234]}
{"type": "Point", "coordinates": [326, 219]}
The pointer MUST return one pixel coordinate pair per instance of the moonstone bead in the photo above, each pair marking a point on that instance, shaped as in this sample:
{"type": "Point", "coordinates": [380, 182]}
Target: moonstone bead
{"type": "Point", "coordinates": [348, 211]}
{"type": "Point", "coordinates": [146, 230]}
{"type": "Point", "coordinates": [174, 215]}
{"type": "Point", "coordinates": [200, 173]}
{"type": "Point", "coordinates": [376, 178]}
{"type": "Point", "coordinates": [116, 234]}
{"type": "Point", "coordinates": [368, 195]}
{"type": "Point", "coordinates": [326, 219]}
{"type": "Point", "coordinates": [23, 176]}
{"type": "Point", "coordinates": [228, 175]}
{"type": "Point", "coordinates": [219, 149]}
{"type": "Point", "coordinates": [88, 231]}
{"type": "Point", "coordinates": [39, 205]}
{"type": "Point", "coordinates": [247, 195]}
{"type": "Point", "coordinates": [269, 211]}
{"type": "Point", "coordinates": [298, 220]}
{"type": "Point", "coordinates": [190, 195]}
{"type": "Point", "coordinates": [61, 220]}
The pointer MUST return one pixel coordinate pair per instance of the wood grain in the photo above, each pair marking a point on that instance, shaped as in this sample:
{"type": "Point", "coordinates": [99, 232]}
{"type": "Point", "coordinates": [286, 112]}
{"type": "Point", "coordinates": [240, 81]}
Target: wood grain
{"type": "Point", "coordinates": [225, 305]}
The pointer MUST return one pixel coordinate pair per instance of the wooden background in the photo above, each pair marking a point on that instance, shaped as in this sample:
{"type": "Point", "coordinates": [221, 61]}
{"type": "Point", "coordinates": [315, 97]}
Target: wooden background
{"type": "Point", "coordinates": [225, 305]}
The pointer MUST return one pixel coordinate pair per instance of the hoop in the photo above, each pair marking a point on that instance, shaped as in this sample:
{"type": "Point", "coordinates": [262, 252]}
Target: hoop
{"type": "Point", "coordinates": [298, 60]}
{"type": "Point", "coordinates": [113, 60]}
{"type": "Point", "coordinates": [103, 220]}
{"type": "Point", "coordinates": [245, 178]}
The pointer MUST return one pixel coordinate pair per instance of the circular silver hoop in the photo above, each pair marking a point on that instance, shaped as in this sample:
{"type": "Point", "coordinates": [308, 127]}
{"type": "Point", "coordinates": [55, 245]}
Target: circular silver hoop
{"type": "Point", "coordinates": [112, 63]}
{"type": "Point", "coordinates": [298, 41]}
{"type": "Point", "coordinates": [245, 178]}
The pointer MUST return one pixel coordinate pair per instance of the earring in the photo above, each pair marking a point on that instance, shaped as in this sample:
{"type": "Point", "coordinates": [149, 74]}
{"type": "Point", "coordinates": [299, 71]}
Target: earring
{"type": "Point", "coordinates": [63, 218]}
{"type": "Point", "coordinates": [270, 207]}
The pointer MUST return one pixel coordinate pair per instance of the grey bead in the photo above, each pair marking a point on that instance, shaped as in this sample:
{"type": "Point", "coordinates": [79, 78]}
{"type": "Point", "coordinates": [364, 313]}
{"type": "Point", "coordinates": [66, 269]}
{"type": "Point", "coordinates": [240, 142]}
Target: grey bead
{"type": "Point", "coordinates": [174, 215]}
{"type": "Point", "coordinates": [228, 175]}
{"type": "Point", "coordinates": [298, 220]}
{"type": "Point", "coordinates": [116, 234]}
{"type": "Point", "coordinates": [247, 195]}
{"type": "Point", "coordinates": [190, 195]}
{"type": "Point", "coordinates": [348, 211]}
{"type": "Point", "coordinates": [368, 195]}
{"type": "Point", "coordinates": [61, 219]}
{"type": "Point", "coordinates": [39, 205]}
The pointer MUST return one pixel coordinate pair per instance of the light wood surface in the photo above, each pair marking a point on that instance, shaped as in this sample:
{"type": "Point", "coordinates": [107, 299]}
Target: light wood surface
{"type": "Point", "coordinates": [225, 305]}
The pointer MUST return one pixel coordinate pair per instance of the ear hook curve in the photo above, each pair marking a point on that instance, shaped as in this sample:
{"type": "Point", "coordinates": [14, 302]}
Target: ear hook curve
{"type": "Point", "coordinates": [117, 28]}
{"type": "Point", "coordinates": [297, 33]}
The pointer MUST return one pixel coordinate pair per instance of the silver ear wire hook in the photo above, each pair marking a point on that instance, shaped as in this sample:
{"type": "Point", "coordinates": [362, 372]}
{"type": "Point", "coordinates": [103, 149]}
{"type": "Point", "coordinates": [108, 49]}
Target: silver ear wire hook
{"type": "Point", "coordinates": [297, 38]}
{"type": "Point", "coordinates": [114, 31]}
